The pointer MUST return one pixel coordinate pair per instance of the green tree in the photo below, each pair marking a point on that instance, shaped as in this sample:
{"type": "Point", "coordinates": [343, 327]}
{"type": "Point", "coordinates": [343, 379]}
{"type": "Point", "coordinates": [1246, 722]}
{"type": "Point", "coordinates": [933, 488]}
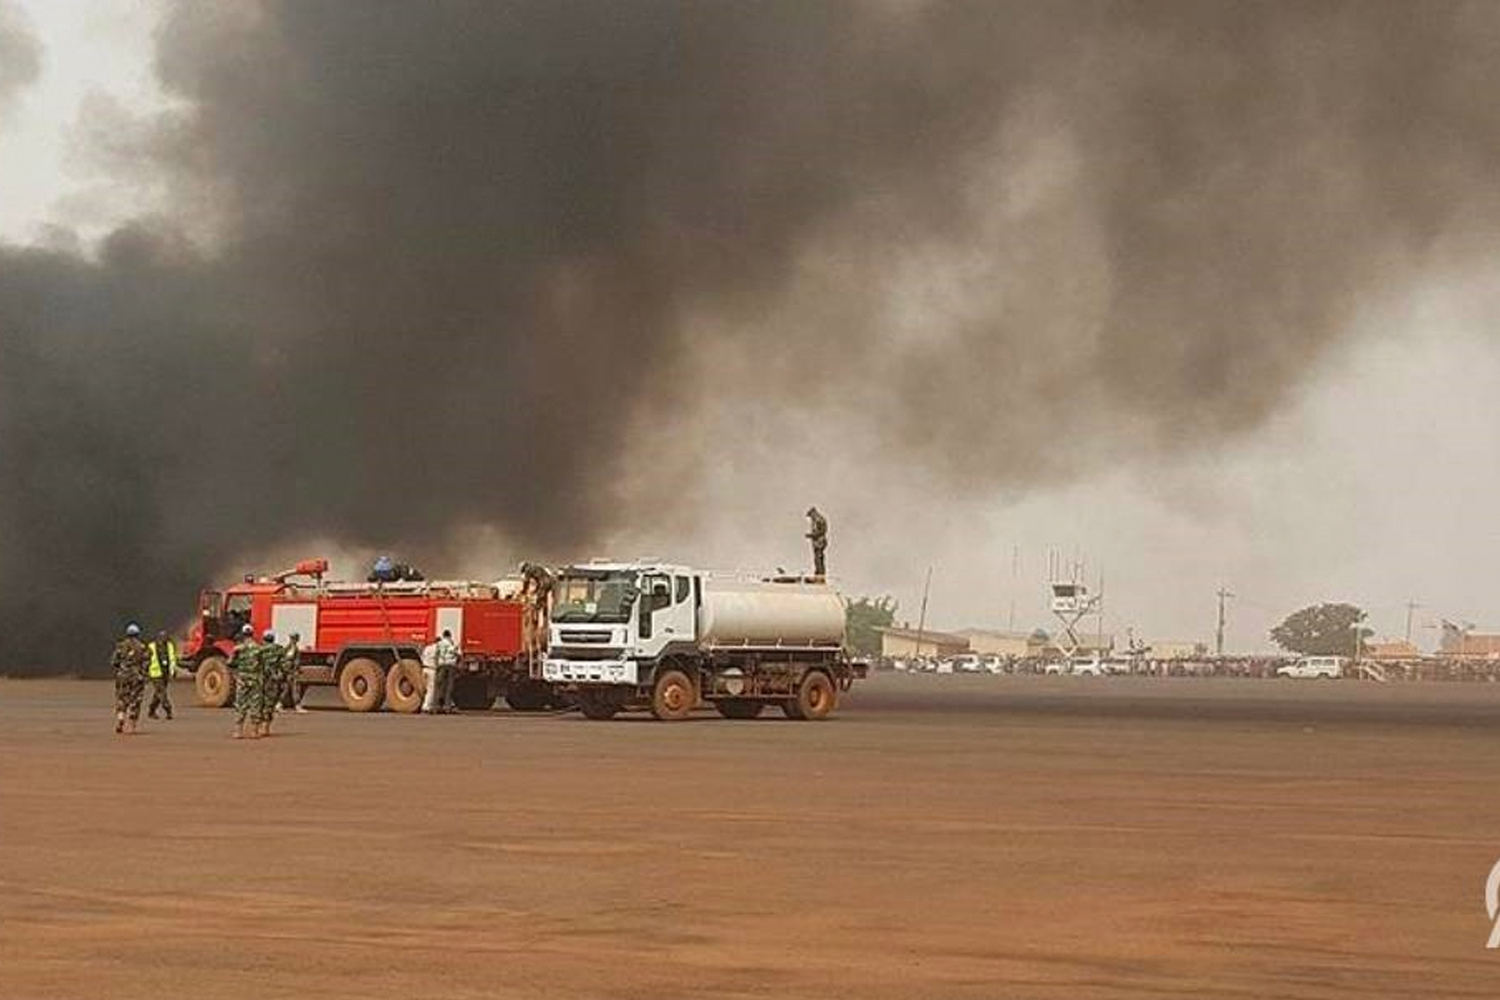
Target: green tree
{"type": "Point", "coordinates": [1321, 630]}
{"type": "Point", "coordinates": [862, 618]}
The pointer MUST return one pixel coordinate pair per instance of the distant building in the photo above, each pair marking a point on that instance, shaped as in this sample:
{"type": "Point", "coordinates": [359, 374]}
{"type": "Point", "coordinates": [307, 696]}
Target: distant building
{"type": "Point", "coordinates": [988, 642]}
{"type": "Point", "coordinates": [901, 643]}
{"type": "Point", "coordinates": [1458, 641]}
{"type": "Point", "coordinates": [1391, 649]}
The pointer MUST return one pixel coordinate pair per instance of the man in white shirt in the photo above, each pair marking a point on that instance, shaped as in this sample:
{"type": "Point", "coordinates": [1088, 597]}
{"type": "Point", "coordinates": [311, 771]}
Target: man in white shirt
{"type": "Point", "coordinates": [429, 676]}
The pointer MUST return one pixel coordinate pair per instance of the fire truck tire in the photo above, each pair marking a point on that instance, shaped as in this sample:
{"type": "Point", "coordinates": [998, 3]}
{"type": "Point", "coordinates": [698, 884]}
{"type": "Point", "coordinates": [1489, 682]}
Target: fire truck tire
{"type": "Point", "coordinates": [404, 687]}
{"type": "Point", "coordinates": [739, 708]}
{"type": "Point", "coordinates": [599, 705]}
{"type": "Point", "coordinates": [816, 697]}
{"type": "Point", "coordinates": [362, 685]}
{"type": "Point", "coordinates": [472, 693]}
{"type": "Point", "coordinates": [213, 682]}
{"type": "Point", "coordinates": [674, 696]}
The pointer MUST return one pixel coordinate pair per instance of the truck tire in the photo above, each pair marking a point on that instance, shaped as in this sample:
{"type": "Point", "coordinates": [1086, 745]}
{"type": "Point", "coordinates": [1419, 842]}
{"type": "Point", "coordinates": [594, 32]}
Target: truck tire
{"type": "Point", "coordinates": [472, 692]}
{"type": "Point", "coordinates": [362, 685]}
{"type": "Point", "coordinates": [674, 696]}
{"type": "Point", "coordinates": [404, 687]}
{"type": "Point", "coordinates": [739, 708]}
{"type": "Point", "coordinates": [816, 697]}
{"type": "Point", "coordinates": [213, 682]}
{"type": "Point", "coordinates": [528, 696]}
{"type": "Point", "coordinates": [599, 705]}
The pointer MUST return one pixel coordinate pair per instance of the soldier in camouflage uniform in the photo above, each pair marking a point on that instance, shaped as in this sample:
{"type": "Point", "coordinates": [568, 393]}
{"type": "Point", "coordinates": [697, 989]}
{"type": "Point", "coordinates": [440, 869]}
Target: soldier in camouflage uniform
{"type": "Point", "coordinates": [247, 684]}
{"type": "Point", "coordinates": [129, 664]}
{"type": "Point", "coordinates": [272, 675]}
{"type": "Point", "coordinates": [291, 663]}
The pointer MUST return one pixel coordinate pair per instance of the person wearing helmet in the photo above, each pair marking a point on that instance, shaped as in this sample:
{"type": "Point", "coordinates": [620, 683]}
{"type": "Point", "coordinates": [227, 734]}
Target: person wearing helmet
{"type": "Point", "coordinates": [245, 664]}
{"type": "Point", "coordinates": [270, 657]}
{"type": "Point", "coordinates": [818, 534]}
{"type": "Point", "coordinates": [129, 665]}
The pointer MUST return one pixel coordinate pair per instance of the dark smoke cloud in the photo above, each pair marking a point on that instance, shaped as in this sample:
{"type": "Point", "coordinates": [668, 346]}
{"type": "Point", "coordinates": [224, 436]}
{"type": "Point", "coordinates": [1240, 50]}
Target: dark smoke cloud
{"type": "Point", "coordinates": [460, 250]}
{"type": "Point", "coordinates": [20, 56]}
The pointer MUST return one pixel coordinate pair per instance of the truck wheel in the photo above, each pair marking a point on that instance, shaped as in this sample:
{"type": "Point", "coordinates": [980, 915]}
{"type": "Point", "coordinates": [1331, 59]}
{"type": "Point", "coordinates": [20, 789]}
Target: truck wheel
{"type": "Point", "coordinates": [599, 705]}
{"type": "Point", "coordinates": [472, 692]}
{"type": "Point", "coordinates": [362, 685]}
{"type": "Point", "coordinates": [404, 687]}
{"type": "Point", "coordinates": [816, 696]}
{"type": "Point", "coordinates": [213, 682]}
{"type": "Point", "coordinates": [674, 696]}
{"type": "Point", "coordinates": [739, 708]}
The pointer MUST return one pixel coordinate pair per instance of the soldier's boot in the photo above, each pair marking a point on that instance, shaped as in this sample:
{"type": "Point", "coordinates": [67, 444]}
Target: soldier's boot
{"type": "Point", "coordinates": [119, 722]}
{"type": "Point", "coordinates": [238, 733]}
{"type": "Point", "coordinates": [130, 727]}
{"type": "Point", "coordinates": [169, 715]}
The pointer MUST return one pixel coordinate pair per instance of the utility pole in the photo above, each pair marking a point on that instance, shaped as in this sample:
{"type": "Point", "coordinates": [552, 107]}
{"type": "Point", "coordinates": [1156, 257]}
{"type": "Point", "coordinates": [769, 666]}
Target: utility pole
{"type": "Point", "coordinates": [922, 616]}
{"type": "Point", "coordinates": [1224, 595]}
{"type": "Point", "coordinates": [1411, 606]}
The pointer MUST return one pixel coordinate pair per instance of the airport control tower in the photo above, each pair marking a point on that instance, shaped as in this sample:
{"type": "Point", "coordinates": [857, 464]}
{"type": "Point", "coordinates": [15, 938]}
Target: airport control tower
{"type": "Point", "coordinates": [1071, 603]}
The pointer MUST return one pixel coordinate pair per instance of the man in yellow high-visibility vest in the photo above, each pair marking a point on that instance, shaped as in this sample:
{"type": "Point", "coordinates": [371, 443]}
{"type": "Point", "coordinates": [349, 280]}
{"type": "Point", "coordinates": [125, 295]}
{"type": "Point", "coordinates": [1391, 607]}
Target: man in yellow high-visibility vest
{"type": "Point", "coordinates": [159, 671]}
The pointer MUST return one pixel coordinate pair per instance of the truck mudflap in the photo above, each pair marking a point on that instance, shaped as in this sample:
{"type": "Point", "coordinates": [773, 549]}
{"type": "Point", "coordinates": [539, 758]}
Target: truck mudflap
{"type": "Point", "coordinates": [559, 671]}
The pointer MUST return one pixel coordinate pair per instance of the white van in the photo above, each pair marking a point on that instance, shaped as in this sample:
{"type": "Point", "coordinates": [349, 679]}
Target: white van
{"type": "Point", "coordinates": [1312, 667]}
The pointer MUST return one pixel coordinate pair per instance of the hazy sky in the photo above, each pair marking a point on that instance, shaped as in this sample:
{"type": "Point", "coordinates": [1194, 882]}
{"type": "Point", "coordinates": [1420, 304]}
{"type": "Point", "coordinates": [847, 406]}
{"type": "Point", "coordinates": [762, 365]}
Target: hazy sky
{"type": "Point", "coordinates": [1376, 482]}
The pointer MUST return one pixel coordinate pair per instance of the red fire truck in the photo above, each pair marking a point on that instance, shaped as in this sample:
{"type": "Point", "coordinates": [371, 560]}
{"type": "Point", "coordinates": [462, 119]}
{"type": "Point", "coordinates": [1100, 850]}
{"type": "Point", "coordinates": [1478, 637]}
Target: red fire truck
{"type": "Point", "coordinates": [366, 638]}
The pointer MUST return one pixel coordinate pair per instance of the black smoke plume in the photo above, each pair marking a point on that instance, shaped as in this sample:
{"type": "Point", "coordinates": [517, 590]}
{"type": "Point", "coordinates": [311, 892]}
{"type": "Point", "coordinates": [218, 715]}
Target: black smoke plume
{"type": "Point", "coordinates": [440, 258]}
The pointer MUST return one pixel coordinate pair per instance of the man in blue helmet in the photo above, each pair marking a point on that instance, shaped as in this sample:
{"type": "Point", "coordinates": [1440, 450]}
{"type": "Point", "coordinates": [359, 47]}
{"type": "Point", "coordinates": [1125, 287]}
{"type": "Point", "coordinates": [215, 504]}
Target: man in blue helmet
{"type": "Point", "coordinates": [129, 664]}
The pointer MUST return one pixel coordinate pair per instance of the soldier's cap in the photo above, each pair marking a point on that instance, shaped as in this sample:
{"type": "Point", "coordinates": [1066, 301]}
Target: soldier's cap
{"type": "Point", "coordinates": [811, 511]}
{"type": "Point", "coordinates": [268, 635]}
{"type": "Point", "coordinates": [246, 630]}
{"type": "Point", "coordinates": [295, 635]}
{"type": "Point", "coordinates": [447, 634]}
{"type": "Point", "coordinates": [132, 629]}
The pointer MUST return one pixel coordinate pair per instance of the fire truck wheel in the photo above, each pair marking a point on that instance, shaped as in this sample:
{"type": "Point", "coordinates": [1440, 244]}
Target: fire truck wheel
{"type": "Point", "coordinates": [816, 697]}
{"type": "Point", "coordinates": [362, 685]}
{"type": "Point", "coordinates": [673, 697]}
{"type": "Point", "coordinates": [472, 693]}
{"type": "Point", "coordinates": [599, 705]}
{"type": "Point", "coordinates": [739, 708]}
{"type": "Point", "coordinates": [404, 687]}
{"type": "Point", "coordinates": [214, 683]}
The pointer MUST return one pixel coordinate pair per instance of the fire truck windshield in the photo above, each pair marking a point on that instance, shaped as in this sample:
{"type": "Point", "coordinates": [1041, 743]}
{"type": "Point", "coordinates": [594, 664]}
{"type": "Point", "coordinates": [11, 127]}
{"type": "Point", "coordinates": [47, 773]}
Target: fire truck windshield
{"type": "Point", "coordinates": [594, 597]}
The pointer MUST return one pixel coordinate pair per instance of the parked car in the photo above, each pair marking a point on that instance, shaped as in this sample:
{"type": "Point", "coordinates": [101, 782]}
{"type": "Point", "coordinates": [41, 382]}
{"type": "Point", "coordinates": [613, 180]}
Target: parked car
{"type": "Point", "coordinates": [994, 665]}
{"type": "Point", "coordinates": [968, 663]}
{"type": "Point", "coordinates": [1314, 667]}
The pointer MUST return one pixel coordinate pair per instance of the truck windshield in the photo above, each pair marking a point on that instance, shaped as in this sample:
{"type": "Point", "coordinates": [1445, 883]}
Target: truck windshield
{"type": "Point", "coordinates": [594, 597]}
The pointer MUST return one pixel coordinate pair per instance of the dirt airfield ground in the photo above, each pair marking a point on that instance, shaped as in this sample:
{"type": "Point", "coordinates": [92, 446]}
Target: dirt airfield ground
{"type": "Point", "coordinates": [943, 837]}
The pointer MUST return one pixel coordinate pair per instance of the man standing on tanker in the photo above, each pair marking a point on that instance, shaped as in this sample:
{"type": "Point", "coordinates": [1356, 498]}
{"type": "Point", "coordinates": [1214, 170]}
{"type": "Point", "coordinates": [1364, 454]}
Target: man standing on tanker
{"type": "Point", "coordinates": [129, 665]}
{"type": "Point", "coordinates": [818, 535]}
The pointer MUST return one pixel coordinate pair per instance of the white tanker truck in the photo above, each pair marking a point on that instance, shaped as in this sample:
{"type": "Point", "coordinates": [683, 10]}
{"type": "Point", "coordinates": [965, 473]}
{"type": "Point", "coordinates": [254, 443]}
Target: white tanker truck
{"type": "Point", "coordinates": [665, 638]}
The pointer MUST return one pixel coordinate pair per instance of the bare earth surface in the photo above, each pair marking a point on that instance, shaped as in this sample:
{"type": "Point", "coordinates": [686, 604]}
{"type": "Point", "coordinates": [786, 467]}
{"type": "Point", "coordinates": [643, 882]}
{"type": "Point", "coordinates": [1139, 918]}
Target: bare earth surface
{"type": "Point", "coordinates": [942, 837]}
